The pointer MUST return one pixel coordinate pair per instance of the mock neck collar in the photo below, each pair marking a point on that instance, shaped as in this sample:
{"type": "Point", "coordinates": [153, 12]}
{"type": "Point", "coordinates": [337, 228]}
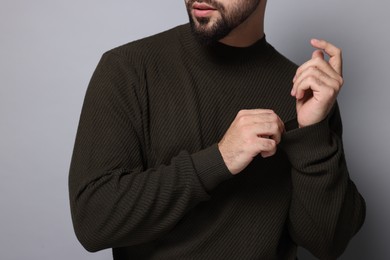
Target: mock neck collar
{"type": "Point", "coordinates": [222, 54]}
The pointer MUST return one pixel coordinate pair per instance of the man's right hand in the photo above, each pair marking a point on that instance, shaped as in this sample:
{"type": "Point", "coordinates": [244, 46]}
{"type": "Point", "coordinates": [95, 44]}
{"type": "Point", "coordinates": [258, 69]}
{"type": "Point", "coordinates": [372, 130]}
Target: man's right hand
{"type": "Point", "coordinates": [252, 133]}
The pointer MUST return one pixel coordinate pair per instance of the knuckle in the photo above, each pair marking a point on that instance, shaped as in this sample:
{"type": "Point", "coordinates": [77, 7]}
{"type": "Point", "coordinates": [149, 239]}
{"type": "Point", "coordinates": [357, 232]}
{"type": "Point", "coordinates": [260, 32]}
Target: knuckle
{"type": "Point", "coordinates": [311, 79]}
{"type": "Point", "coordinates": [273, 117]}
{"type": "Point", "coordinates": [338, 51]}
{"type": "Point", "coordinates": [317, 60]}
{"type": "Point", "coordinates": [323, 76]}
{"type": "Point", "coordinates": [277, 138]}
{"type": "Point", "coordinates": [314, 71]}
{"type": "Point", "coordinates": [336, 85]}
{"type": "Point", "coordinates": [331, 92]}
{"type": "Point", "coordinates": [277, 129]}
{"type": "Point", "coordinates": [319, 82]}
{"type": "Point", "coordinates": [269, 144]}
{"type": "Point", "coordinates": [341, 80]}
{"type": "Point", "coordinates": [242, 119]}
{"type": "Point", "coordinates": [241, 113]}
{"type": "Point", "coordinates": [273, 127]}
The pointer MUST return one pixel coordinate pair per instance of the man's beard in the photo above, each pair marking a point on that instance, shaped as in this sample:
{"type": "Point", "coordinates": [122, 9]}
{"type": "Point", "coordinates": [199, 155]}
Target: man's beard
{"type": "Point", "coordinates": [224, 24]}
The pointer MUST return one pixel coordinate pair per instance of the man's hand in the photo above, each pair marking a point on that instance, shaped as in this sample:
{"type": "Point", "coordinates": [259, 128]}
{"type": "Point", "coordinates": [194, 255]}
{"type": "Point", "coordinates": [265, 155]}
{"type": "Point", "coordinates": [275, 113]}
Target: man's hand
{"type": "Point", "coordinates": [317, 83]}
{"type": "Point", "coordinates": [252, 133]}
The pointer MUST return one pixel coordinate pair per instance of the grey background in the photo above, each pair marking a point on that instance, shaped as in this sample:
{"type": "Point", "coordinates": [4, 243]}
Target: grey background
{"type": "Point", "coordinates": [50, 48]}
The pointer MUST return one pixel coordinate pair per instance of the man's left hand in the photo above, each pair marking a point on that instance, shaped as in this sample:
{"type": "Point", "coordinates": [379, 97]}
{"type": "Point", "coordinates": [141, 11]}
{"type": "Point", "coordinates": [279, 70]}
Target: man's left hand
{"type": "Point", "coordinates": [317, 83]}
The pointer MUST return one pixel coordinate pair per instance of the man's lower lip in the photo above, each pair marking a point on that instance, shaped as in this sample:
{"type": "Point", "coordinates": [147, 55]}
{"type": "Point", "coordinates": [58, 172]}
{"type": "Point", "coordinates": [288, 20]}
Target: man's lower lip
{"type": "Point", "coordinates": [203, 13]}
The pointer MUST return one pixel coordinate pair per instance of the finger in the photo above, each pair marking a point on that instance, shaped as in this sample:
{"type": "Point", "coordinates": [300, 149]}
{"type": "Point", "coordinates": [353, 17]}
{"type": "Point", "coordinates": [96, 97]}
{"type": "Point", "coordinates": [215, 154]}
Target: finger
{"type": "Point", "coordinates": [267, 147]}
{"type": "Point", "coordinates": [267, 154]}
{"type": "Point", "coordinates": [323, 72]}
{"type": "Point", "coordinates": [246, 112]}
{"type": "Point", "coordinates": [321, 64]}
{"type": "Point", "coordinates": [315, 84]}
{"type": "Point", "coordinates": [261, 144]}
{"type": "Point", "coordinates": [317, 54]}
{"type": "Point", "coordinates": [275, 135]}
{"type": "Point", "coordinates": [335, 55]}
{"type": "Point", "coordinates": [261, 118]}
{"type": "Point", "coordinates": [270, 130]}
{"type": "Point", "coordinates": [249, 117]}
{"type": "Point", "coordinates": [316, 68]}
{"type": "Point", "coordinates": [316, 73]}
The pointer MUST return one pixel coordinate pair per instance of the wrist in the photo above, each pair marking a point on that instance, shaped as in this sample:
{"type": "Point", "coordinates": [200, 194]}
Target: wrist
{"type": "Point", "coordinates": [228, 158]}
{"type": "Point", "coordinates": [210, 167]}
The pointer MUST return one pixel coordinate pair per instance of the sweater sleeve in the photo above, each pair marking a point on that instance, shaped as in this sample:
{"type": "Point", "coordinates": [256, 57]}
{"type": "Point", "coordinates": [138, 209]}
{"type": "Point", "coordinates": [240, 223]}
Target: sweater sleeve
{"type": "Point", "coordinates": [116, 200]}
{"type": "Point", "coordinates": [326, 208]}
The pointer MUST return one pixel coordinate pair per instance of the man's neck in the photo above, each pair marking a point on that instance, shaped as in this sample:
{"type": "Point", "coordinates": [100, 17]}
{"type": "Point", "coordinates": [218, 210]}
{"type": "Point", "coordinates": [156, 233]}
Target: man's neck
{"type": "Point", "coordinates": [243, 39]}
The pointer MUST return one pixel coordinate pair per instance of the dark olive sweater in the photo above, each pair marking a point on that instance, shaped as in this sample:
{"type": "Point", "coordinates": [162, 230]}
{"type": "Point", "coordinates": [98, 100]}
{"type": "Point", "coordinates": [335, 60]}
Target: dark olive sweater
{"type": "Point", "coordinates": [147, 178]}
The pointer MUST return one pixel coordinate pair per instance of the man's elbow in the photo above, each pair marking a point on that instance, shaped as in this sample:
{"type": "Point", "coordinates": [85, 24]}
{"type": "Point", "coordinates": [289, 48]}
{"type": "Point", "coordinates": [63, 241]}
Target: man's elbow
{"type": "Point", "coordinates": [88, 236]}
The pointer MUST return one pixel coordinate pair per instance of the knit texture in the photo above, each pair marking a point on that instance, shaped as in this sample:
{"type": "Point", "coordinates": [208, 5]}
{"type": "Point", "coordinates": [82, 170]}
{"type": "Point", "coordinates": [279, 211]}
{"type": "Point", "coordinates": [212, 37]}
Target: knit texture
{"type": "Point", "coordinates": [147, 178]}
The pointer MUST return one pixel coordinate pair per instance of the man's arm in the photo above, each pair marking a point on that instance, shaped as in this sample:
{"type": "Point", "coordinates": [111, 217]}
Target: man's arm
{"type": "Point", "coordinates": [326, 208]}
{"type": "Point", "coordinates": [116, 200]}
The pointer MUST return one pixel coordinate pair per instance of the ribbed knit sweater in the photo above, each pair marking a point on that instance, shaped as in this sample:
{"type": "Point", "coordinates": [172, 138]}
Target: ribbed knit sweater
{"type": "Point", "coordinates": [147, 178]}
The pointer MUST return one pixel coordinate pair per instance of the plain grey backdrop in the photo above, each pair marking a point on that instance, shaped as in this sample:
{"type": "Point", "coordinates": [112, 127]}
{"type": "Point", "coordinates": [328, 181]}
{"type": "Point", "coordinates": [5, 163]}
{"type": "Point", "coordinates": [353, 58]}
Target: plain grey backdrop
{"type": "Point", "coordinates": [49, 50]}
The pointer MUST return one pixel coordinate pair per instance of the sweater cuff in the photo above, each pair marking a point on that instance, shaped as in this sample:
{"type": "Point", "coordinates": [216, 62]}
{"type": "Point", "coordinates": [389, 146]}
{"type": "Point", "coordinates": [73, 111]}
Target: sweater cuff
{"type": "Point", "coordinates": [308, 144]}
{"type": "Point", "coordinates": [210, 167]}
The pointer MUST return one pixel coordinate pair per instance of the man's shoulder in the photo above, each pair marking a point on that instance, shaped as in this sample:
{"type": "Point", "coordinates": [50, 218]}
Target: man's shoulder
{"type": "Point", "coordinates": [151, 45]}
{"type": "Point", "coordinates": [282, 59]}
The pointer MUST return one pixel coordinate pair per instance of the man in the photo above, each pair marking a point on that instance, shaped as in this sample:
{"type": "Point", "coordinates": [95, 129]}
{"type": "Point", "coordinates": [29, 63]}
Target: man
{"type": "Point", "coordinates": [203, 142]}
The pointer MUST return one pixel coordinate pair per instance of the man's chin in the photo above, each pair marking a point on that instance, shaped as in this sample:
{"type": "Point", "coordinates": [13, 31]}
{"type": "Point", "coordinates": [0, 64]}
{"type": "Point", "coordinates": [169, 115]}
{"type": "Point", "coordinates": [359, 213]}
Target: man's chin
{"type": "Point", "coordinates": [206, 33]}
{"type": "Point", "coordinates": [203, 36]}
